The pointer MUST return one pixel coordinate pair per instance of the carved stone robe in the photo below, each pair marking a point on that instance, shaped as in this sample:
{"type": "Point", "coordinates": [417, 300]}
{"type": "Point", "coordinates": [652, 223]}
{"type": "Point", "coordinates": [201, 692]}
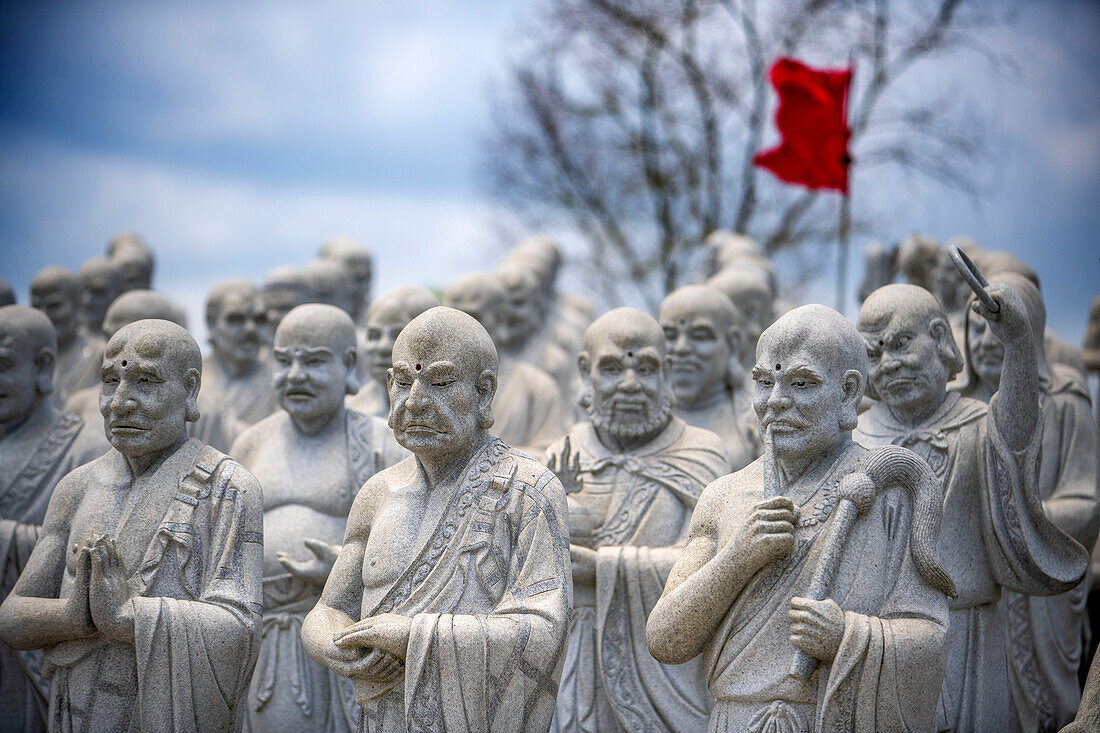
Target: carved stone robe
{"type": "Point", "coordinates": [528, 407]}
{"type": "Point", "coordinates": [78, 366]}
{"type": "Point", "coordinates": [285, 675]}
{"type": "Point", "coordinates": [887, 672]}
{"type": "Point", "coordinates": [994, 536]}
{"type": "Point", "coordinates": [371, 399]}
{"type": "Point", "coordinates": [69, 443]}
{"type": "Point", "coordinates": [639, 506]}
{"type": "Point", "coordinates": [489, 594]}
{"type": "Point", "coordinates": [196, 570]}
{"type": "Point", "coordinates": [729, 421]}
{"type": "Point", "coordinates": [247, 399]}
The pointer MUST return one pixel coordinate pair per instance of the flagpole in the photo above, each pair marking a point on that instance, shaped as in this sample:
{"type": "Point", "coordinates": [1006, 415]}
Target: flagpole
{"type": "Point", "coordinates": [844, 228]}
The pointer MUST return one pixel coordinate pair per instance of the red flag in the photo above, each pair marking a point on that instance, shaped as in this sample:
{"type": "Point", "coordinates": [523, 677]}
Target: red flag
{"type": "Point", "coordinates": [812, 121]}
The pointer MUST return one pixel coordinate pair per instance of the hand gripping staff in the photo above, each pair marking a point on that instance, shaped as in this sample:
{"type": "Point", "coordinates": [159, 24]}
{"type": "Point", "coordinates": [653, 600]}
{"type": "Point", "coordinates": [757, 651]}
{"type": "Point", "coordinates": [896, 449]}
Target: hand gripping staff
{"type": "Point", "coordinates": [883, 468]}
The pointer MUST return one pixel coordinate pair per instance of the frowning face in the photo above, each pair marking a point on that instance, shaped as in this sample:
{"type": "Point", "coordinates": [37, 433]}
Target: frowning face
{"type": "Point", "coordinates": [434, 402]}
{"type": "Point", "coordinates": [311, 375]}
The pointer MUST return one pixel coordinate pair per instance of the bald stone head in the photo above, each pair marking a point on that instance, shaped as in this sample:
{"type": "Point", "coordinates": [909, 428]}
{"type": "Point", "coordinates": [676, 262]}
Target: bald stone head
{"type": "Point", "coordinates": [134, 259]}
{"type": "Point", "coordinates": [387, 315]}
{"type": "Point", "coordinates": [150, 385]}
{"type": "Point", "coordinates": [284, 289]}
{"type": "Point", "coordinates": [442, 383]}
{"type": "Point", "coordinates": [750, 294]}
{"type": "Point", "coordinates": [315, 361]}
{"type": "Point", "coordinates": [810, 374]}
{"type": "Point", "coordinates": [909, 342]}
{"type": "Point", "coordinates": [358, 263]}
{"type": "Point", "coordinates": [136, 305]}
{"type": "Point", "coordinates": [330, 283]}
{"type": "Point", "coordinates": [625, 372]}
{"type": "Point", "coordinates": [100, 283]}
{"type": "Point", "coordinates": [234, 318]}
{"type": "Point", "coordinates": [703, 336]}
{"type": "Point", "coordinates": [523, 310]}
{"type": "Point", "coordinates": [479, 294]}
{"type": "Point", "coordinates": [7, 295]}
{"type": "Point", "coordinates": [56, 292]}
{"type": "Point", "coordinates": [724, 247]}
{"type": "Point", "coordinates": [539, 252]}
{"type": "Point", "coordinates": [28, 353]}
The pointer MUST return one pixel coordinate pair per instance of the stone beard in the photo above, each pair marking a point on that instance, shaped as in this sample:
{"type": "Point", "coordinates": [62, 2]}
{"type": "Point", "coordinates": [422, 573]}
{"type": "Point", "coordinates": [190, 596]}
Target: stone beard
{"type": "Point", "coordinates": [625, 420]}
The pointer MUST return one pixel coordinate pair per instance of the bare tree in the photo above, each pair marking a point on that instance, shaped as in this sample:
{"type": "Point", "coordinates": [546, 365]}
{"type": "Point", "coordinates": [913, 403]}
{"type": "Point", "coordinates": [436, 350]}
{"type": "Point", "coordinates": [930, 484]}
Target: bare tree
{"type": "Point", "coordinates": [634, 122]}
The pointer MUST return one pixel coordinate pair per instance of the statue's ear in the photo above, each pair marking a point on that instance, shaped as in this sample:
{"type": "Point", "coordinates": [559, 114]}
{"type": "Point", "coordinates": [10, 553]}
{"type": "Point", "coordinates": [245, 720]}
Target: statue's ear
{"type": "Point", "coordinates": [734, 338]}
{"type": "Point", "coordinates": [486, 389]}
{"type": "Point", "coordinates": [948, 349]}
{"type": "Point", "coordinates": [351, 378]}
{"type": "Point", "coordinates": [583, 365]}
{"type": "Point", "coordinates": [191, 381]}
{"type": "Point", "coordinates": [44, 362]}
{"type": "Point", "coordinates": [853, 385]}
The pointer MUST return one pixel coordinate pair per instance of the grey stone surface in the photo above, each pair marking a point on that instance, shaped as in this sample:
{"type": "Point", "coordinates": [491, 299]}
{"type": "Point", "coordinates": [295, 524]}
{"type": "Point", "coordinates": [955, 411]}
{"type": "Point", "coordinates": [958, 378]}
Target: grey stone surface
{"type": "Point", "coordinates": [358, 264]}
{"type": "Point", "coordinates": [56, 292]}
{"type": "Point", "coordinates": [995, 536]}
{"type": "Point", "coordinates": [530, 410]}
{"type": "Point", "coordinates": [634, 472]}
{"type": "Point", "coordinates": [144, 586]}
{"type": "Point", "coordinates": [284, 289]}
{"type": "Point", "coordinates": [39, 444]}
{"type": "Point", "coordinates": [100, 283]}
{"type": "Point", "coordinates": [449, 599]}
{"type": "Point", "coordinates": [134, 259]}
{"type": "Point", "coordinates": [235, 371]}
{"type": "Point", "coordinates": [704, 334]}
{"type": "Point", "coordinates": [7, 295]}
{"type": "Point", "coordinates": [1044, 636]}
{"type": "Point", "coordinates": [311, 458]}
{"type": "Point", "coordinates": [330, 283]}
{"type": "Point", "coordinates": [386, 316]}
{"type": "Point", "coordinates": [819, 551]}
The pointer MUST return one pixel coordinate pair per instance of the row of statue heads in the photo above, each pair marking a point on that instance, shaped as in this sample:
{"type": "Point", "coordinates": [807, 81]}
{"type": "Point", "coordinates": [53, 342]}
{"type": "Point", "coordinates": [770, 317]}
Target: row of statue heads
{"type": "Point", "coordinates": [489, 509]}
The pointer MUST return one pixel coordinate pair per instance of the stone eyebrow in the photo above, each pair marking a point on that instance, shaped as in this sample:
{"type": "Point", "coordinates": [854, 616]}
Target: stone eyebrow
{"type": "Point", "coordinates": [803, 370]}
{"type": "Point", "coordinates": [759, 371]}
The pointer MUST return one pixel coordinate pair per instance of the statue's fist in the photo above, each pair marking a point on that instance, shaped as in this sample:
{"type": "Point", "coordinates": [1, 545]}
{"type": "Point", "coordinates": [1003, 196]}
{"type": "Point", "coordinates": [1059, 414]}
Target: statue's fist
{"type": "Point", "coordinates": [1010, 323]}
{"type": "Point", "coordinates": [769, 531]}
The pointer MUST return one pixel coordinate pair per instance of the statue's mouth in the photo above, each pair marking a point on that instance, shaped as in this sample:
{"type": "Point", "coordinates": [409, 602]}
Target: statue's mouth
{"type": "Point", "coordinates": [126, 428]}
{"type": "Point", "coordinates": [422, 429]}
{"type": "Point", "coordinates": [301, 394]}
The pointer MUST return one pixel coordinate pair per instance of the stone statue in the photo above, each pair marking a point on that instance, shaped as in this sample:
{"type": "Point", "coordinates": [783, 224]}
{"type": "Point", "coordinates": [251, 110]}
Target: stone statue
{"type": "Point", "coordinates": [818, 552]}
{"type": "Point", "coordinates": [724, 248]}
{"type": "Point", "coordinates": [530, 410]}
{"type": "Point", "coordinates": [918, 258]}
{"type": "Point", "coordinates": [358, 264]}
{"type": "Point", "coordinates": [56, 292]}
{"type": "Point", "coordinates": [386, 316]}
{"type": "Point", "coordinates": [100, 283]}
{"type": "Point", "coordinates": [1090, 347]}
{"type": "Point", "coordinates": [1044, 635]}
{"type": "Point", "coordinates": [144, 586]}
{"type": "Point", "coordinates": [134, 259]}
{"type": "Point", "coordinates": [522, 330]}
{"type": "Point", "coordinates": [330, 283]}
{"type": "Point", "coordinates": [880, 267]}
{"type": "Point", "coordinates": [634, 473]}
{"type": "Point", "coordinates": [39, 444]}
{"type": "Point", "coordinates": [236, 375]}
{"type": "Point", "coordinates": [214, 427]}
{"type": "Point", "coordinates": [311, 457]}
{"type": "Point", "coordinates": [7, 295]}
{"type": "Point", "coordinates": [449, 600]}
{"type": "Point", "coordinates": [703, 334]}
{"type": "Point", "coordinates": [1088, 714]}
{"type": "Point", "coordinates": [753, 299]}
{"type": "Point", "coordinates": [995, 534]}
{"type": "Point", "coordinates": [284, 289]}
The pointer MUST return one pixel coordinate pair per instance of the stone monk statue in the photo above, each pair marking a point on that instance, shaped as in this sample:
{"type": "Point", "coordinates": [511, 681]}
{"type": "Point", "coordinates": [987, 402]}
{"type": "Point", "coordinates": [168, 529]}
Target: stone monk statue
{"type": "Point", "coordinates": [1044, 635]}
{"type": "Point", "coordinates": [311, 457]}
{"type": "Point", "coordinates": [740, 594]}
{"type": "Point", "coordinates": [56, 292]}
{"type": "Point", "coordinates": [386, 316]}
{"type": "Point", "coordinates": [530, 410]}
{"type": "Point", "coordinates": [100, 283]}
{"type": "Point", "coordinates": [448, 603]}
{"type": "Point", "coordinates": [236, 374]}
{"type": "Point", "coordinates": [996, 536]}
{"type": "Point", "coordinates": [703, 334]}
{"type": "Point", "coordinates": [635, 471]}
{"type": "Point", "coordinates": [39, 444]}
{"type": "Point", "coordinates": [144, 587]}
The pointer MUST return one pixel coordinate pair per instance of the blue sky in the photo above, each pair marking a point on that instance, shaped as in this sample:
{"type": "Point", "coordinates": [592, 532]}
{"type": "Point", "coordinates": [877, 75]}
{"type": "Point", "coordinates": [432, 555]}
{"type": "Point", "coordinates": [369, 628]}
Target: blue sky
{"type": "Point", "coordinates": [238, 136]}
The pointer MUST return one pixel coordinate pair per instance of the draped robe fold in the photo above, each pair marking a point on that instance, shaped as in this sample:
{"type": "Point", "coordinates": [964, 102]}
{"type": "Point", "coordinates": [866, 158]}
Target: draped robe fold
{"type": "Point", "coordinates": [887, 672]}
{"type": "Point", "coordinates": [994, 536]}
{"type": "Point", "coordinates": [640, 505]}
{"type": "Point", "coordinates": [196, 574]}
{"type": "Point", "coordinates": [284, 672]}
{"type": "Point", "coordinates": [69, 443]}
{"type": "Point", "coordinates": [489, 594]}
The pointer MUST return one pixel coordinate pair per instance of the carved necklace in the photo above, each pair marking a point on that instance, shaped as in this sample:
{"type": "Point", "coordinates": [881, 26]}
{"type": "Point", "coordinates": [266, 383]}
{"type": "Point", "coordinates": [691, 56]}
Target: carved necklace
{"type": "Point", "coordinates": [823, 508]}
